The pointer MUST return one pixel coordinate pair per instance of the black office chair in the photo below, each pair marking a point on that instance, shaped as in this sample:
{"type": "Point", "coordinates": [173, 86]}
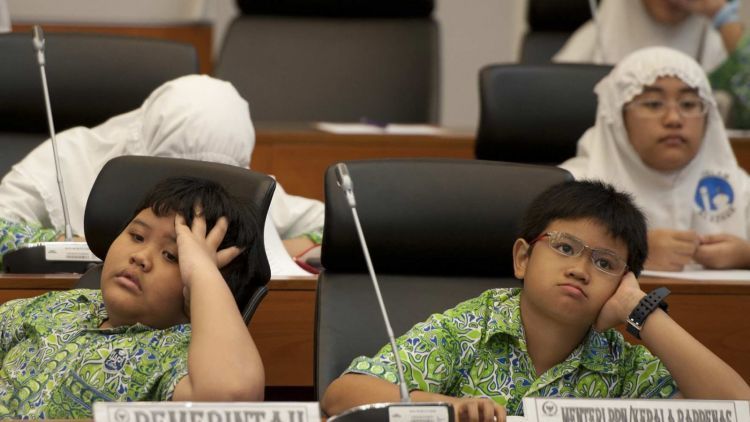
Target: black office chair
{"type": "Point", "coordinates": [550, 24]}
{"type": "Point", "coordinates": [124, 181]}
{"type": "Point", "coordinates": [90, 77]}
{"type": "Point", "coordinates": [535, 113]}
{"type": "Point", "coordinates": [439, 232]}
{"type": "Point", "coordinates": [322, 68]}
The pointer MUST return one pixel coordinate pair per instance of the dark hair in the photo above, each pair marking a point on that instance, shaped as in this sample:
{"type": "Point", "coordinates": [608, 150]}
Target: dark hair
{"type": "Point", "coordinates": [575, 200]}
{"type": "Point", "coordinates": [250, 269]}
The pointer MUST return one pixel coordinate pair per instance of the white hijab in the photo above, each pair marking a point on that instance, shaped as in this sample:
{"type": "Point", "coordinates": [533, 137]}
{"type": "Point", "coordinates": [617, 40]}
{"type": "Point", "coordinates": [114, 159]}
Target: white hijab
{"type": "Point", "coordinates": [709, 195]}
{"type": "Point", "coordinates": [195, 117]}
{"type": "Point", "coordinates": [626, 27]}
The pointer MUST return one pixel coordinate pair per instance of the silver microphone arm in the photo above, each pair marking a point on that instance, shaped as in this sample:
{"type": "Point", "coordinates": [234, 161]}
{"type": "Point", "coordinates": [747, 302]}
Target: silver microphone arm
{"type": "Point", "coordinates": [39, 47]}
{"type": "Point", "coordinates": [345, 182]}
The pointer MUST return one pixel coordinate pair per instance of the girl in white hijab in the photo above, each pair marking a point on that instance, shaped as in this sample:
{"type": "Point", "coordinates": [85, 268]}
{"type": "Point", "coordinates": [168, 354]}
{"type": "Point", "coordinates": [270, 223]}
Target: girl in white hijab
{"type": "Point", "coordinates": [623, 26]}
{"type": "Point", "coordinates": [194, 117]}
{"type": "Point", "coordinates": [659, 136]}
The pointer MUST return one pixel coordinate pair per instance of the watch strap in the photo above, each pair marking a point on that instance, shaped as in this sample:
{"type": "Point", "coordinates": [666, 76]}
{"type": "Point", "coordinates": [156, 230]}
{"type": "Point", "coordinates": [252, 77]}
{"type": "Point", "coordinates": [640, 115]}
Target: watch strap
{"type": "Point", "coordinates": [644, 308]}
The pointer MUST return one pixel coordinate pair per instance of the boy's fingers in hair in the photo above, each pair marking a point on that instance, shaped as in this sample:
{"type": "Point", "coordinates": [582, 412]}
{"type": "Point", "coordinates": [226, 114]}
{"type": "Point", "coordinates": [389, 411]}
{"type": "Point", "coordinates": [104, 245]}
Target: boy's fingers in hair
{"type": "Point", "coordinates": [225, 256]}
{"type": "Point", "coordinates": [180, 223]}
{"type": "Point", "coordinates": [199, 222]}
{"type": "Point", "coordinates": [217, 233]}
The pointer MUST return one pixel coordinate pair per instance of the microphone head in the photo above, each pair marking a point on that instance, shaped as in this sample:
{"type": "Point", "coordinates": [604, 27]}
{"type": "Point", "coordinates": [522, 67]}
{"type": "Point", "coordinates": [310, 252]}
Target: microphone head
{"type": "Point", "coordinates": [38, 38]}
{"type": "Point", "coordinates": [345, 182]}
{"type": "Point", "coordinates": [342, 177]}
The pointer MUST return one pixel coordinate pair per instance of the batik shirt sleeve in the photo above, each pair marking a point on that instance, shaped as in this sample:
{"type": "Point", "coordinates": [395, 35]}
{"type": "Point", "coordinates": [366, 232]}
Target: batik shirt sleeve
{"type": "Point", "coordinates": [644, 375]}
{"type": "Point", "coordinates": [733, 77]}
{"type": "Point", "coordinates": [433, 351]}
{"type": "Point", "coordinates": [174, 364]}
{"type": "Point", "coordinates": [13, 235]}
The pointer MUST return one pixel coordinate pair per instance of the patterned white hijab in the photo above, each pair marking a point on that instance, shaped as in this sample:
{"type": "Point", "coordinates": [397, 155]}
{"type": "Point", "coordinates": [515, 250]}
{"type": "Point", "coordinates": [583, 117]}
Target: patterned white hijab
{"type": "Point", "coordinates": [708, 195]}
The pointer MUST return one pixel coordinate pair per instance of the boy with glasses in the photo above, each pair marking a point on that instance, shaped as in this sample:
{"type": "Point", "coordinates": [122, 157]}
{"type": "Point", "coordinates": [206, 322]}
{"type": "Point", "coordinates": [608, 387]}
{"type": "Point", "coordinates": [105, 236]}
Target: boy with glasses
{"type": "Point", "coordinates": [658, 136]}
{"type": "Point", "coordinates": [581, 246]}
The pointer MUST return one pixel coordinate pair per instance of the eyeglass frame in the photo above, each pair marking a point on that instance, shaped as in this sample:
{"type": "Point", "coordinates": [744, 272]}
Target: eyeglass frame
{"type": "Point", "coordinates": [585, 246]}
{"type": "Point", "coordinates": [669, 104]}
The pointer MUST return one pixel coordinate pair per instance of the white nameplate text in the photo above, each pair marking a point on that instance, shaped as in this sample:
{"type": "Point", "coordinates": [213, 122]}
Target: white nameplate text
{"type": "Point", "coordinates": [540, 409]}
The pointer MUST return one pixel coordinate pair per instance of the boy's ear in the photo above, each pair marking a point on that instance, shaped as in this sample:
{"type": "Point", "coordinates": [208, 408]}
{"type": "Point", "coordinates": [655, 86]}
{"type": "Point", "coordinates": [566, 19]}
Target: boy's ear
{"type": "Point", "coordinates": [521, 253]}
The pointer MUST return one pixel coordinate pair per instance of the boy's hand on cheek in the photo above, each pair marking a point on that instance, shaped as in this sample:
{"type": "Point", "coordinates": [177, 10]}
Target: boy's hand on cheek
{"type": "Point", "coordinates": [722, 251]}
{"type": "Point", "coordinates": [617, 309]}
{"type": "Point", "coordinates": [670, 250]}
{"type": "Point", "coordinates": [198, 250]}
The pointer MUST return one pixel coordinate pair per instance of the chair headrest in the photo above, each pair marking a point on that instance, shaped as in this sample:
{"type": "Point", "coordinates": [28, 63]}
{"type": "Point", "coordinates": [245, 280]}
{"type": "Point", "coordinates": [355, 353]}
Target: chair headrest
{"type": "Point", "coordinates": [124, 181]}
{"type": "Point", "coordinates": [535, 113]}
{"type": "Point", "coordinates": [84, 89]}
{"type": "Point", "coordinates": [431, 216]}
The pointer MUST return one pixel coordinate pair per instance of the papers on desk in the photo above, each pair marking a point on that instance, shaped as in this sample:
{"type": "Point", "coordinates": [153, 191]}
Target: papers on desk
{"type": "Point", "coordinates": [375, 129]}
{"type": "Point", "coordinates": [738, 133]}
{"type": "Point", "coordinates": [702, 275]}
{"type": "Point", "coordinates": [282, 265]}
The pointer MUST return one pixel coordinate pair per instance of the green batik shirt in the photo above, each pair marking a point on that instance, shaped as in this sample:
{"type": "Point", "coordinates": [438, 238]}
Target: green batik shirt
{"type": "Point", "coordinates": [733, 77]}
{"type": "Point", "coordinates": [56, 362]}
{"type": "Point", "coordinates": [13, 235]}
{"type": "Point", "coordinates": [478, 349]}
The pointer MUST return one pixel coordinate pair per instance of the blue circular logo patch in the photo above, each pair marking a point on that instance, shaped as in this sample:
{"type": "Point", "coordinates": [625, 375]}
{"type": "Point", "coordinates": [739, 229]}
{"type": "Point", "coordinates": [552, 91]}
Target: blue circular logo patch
{"type": "Point", "coordinates": [713, 194]}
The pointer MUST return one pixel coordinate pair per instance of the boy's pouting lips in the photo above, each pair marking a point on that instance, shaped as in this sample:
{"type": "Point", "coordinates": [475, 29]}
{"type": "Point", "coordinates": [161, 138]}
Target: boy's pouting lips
{"type": "Point", "coordinates": [141, 279]}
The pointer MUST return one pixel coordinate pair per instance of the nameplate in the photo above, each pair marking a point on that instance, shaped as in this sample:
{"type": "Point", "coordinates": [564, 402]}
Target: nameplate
{"type": "Point", "coordinates": [540, 409]}
{"type": "Point", "coordinates": [69, 251]}
{"type": "Point", "coordinates": [206, 412]}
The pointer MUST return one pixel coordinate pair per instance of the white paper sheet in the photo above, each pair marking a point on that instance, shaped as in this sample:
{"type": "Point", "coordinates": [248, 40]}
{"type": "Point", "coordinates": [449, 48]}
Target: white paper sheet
{"type": "Point", "coordinates": [702, 275]}
{"type": "Point", "coordinates": [282, 265]}
{"type": "Point", "coordinates": [374, 129]}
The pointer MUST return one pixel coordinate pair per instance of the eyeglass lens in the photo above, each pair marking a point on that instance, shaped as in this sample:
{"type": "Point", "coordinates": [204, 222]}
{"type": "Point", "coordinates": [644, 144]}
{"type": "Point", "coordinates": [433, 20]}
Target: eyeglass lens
{"type": "Point", "coordinates": [603, 260]}
{"type": "Point", "coordinates": [686, 107]}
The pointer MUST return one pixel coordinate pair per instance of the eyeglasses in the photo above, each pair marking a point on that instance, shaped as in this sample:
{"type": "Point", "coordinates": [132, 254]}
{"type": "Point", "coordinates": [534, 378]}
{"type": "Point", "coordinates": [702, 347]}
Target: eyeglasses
{"type": "Point", "coordinates": [568, 245]}
{"type": "Point", "coordinates": [688, 108]}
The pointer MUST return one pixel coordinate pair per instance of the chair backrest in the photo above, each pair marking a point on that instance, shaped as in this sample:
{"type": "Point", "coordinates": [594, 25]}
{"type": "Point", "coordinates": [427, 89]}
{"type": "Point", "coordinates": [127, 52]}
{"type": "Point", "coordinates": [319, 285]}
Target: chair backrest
{"type": "Point", "coordinates": [535, 113]}
{"type": "Point", "coordinates": [550, 23]}
{"type": "Point", "coordinates": [85, 89]}
{"type": "Point", "coordinates": [439, 231]}
{"type": "Point", "coordinates": [125, 180]}
{"type": "Point", "coordinates": [295, 68]}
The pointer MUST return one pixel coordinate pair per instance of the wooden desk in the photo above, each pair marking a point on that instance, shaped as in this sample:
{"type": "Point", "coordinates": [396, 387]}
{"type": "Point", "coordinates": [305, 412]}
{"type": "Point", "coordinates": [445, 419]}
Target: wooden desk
{"type": "Point", "coordinates": [298, 154]}
{"type": "Point", "coordinates": [716, 313]}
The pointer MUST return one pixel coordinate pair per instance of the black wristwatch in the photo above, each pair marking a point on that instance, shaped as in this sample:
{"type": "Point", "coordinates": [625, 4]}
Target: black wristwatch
{"type": "Point", "coordinates": [647, 305]}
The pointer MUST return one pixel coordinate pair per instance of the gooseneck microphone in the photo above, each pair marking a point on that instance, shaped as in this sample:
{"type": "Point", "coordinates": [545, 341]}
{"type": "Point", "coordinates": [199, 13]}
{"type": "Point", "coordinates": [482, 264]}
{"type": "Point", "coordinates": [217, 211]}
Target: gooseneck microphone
{"type": "Point", "coordinates": [345, 181]}
{"type": "Point", "coordinates": [39, 47]}
{"type": "Point", "coordinates": [404, 411]}
{"type": "Point", "coordinates": [50, 257]}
